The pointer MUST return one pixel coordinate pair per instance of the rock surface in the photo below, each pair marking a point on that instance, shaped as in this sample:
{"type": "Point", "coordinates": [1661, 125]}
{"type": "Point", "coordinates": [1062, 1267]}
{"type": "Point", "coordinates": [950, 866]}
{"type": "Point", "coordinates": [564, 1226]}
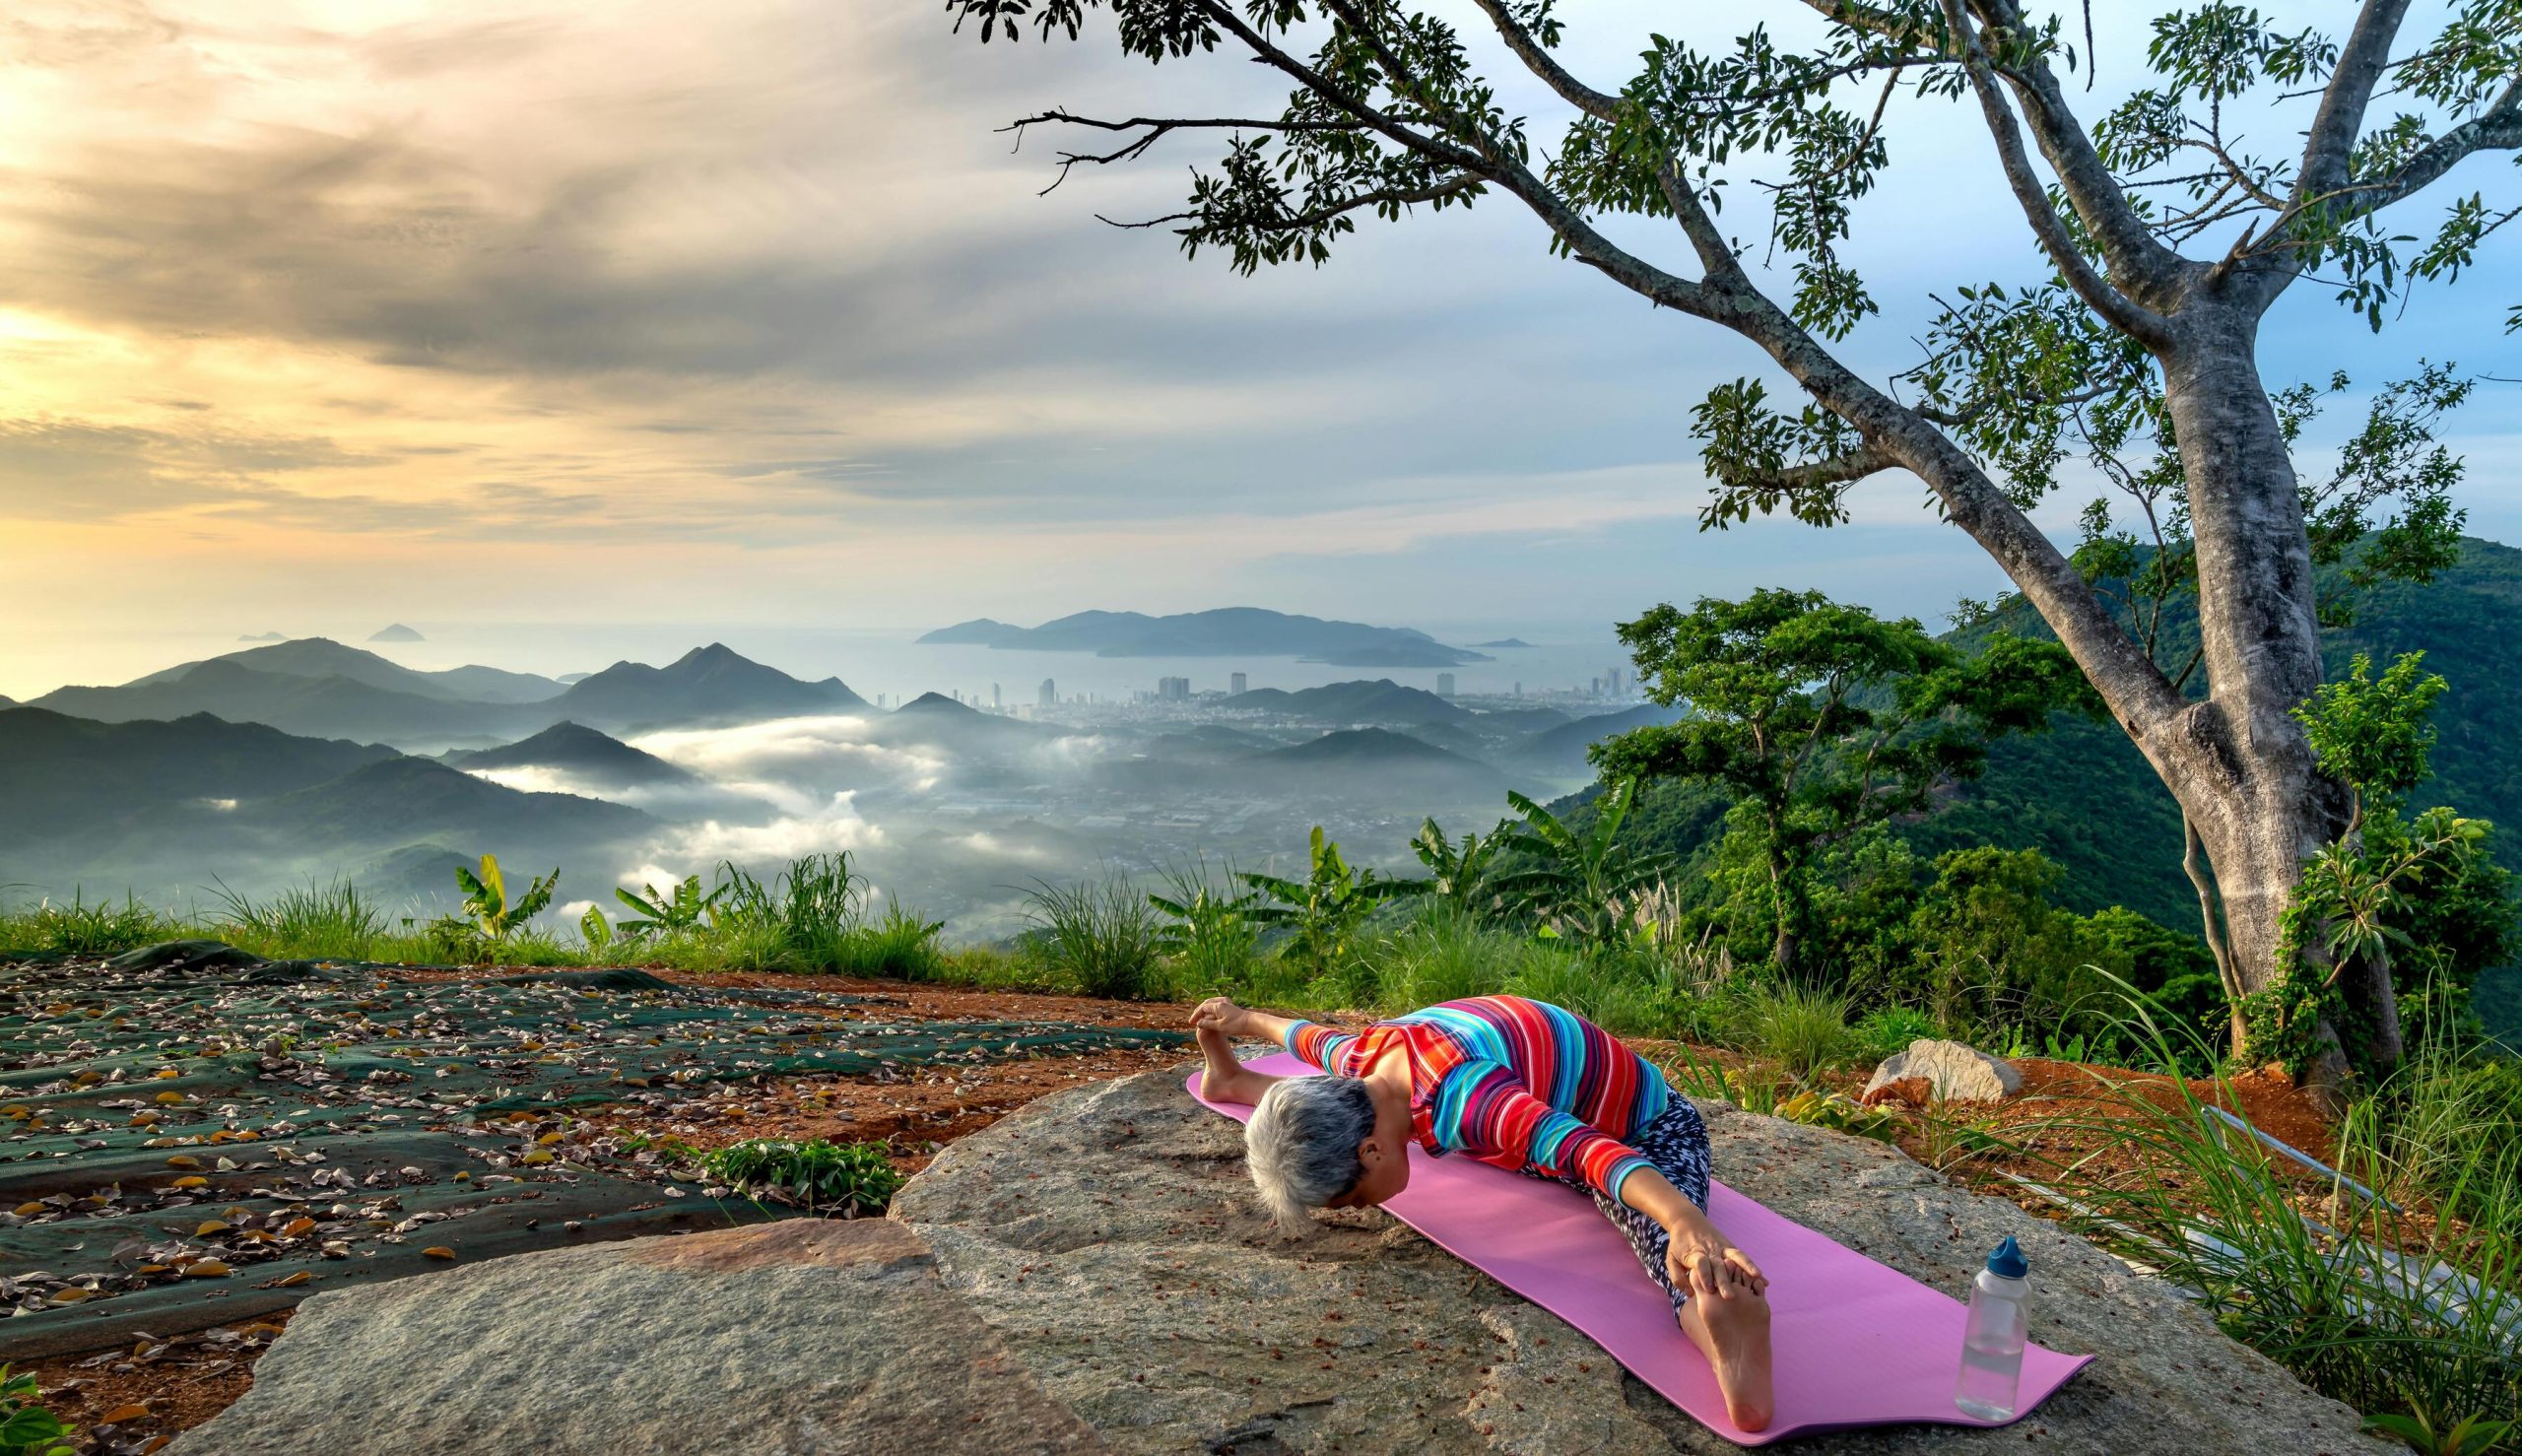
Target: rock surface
{"type": "Point", "coordinates": [806, 1337]}
{"type": "Point", "coordinates": [1111, 1237]}
{"type": "Point", "coordinates": [1953, 1072]}
{"type": "Point", "coordinates": [1093, 1273]}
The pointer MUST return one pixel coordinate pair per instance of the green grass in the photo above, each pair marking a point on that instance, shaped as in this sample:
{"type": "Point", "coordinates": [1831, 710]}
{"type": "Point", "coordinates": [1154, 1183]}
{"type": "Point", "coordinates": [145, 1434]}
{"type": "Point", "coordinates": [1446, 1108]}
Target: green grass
{"type": "Point", "coordinates": [2326, 1295]}
{"type": "Point", "coordinates": [85, 928]}
{"type": "Point", "coordinates": [1802, 1029]}
{"type": "Point", "coordinates": [1100, 936]}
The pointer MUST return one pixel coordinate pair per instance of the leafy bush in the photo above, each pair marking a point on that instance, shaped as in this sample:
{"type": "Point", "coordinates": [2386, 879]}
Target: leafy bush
{"type": "Point", "coordinates": [1891, 1028]}
{"type": "Point", "coordinates": [825, 1177]}
{"type": "Point", "coordinates": [1102, 936]}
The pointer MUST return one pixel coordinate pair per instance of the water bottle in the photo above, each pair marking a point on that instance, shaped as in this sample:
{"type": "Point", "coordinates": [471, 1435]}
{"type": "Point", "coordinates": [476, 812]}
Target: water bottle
{"type": "Point", "coordinates": [1993, 1340]}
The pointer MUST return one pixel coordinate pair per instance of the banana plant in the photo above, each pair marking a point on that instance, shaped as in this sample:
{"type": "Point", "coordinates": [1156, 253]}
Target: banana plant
{"type": "Point", "coordinates": [686, 908]}
{"type": "Point", "coordinates": [1461, 874]}
{"type": "Point", "coordinates": [486, 899]}
{"type": "Point", "coordinates": [593, 926]}
{"type": "Point", "coordinates": [1575, 883]}
{"type": "Point", "coordinates": [1325, 909]}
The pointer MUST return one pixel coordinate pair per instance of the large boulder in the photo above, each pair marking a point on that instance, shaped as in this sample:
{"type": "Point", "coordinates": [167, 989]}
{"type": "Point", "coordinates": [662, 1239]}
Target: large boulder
{"type": "Point", "coordinates": [801, 1338]}
{"type": "Point", "coordinates": [1111, 1237]}
{"type": "Point", "coordinates": [1951, 1071]}
{"type": "Point", "coordinates": [1093, 1273]}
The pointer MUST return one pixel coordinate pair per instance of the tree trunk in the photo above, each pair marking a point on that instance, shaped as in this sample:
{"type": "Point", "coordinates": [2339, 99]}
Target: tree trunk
{"type": "Point", "coordinates": [2239, 761]}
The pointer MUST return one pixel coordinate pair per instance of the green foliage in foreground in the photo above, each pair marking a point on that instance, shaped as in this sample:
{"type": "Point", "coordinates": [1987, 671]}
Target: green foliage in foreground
{"type": "Point", "coordinates": [2399, 1314]}
{"type": "Point", "coordinates": [822, 1177]}
{"type": "Point", "coordinates": [27, 1428]}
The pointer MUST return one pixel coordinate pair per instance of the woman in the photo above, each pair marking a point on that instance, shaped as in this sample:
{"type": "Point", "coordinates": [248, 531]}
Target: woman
{"type": "Point", "coordinates": [1520, 1083]}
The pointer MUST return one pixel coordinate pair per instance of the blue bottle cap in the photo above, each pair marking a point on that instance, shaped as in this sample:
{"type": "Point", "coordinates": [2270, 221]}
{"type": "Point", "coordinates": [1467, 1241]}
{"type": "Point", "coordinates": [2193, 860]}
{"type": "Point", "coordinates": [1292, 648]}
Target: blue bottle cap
{"type": "Point", "coordinates": [2005, 1260]}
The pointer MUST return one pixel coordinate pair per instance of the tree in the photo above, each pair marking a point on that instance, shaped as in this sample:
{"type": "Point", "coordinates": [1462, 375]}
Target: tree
{"type": "Point", "coordinates": [2166, 243]}
{"type": "Point", "coordinates": [1822, 721]}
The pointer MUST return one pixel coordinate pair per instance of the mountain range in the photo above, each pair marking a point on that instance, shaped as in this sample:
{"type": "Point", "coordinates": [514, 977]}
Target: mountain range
{"type": "Point", "coordinates": [323, 688]}
{"type": "Point", "coordinates": [1226, 631]}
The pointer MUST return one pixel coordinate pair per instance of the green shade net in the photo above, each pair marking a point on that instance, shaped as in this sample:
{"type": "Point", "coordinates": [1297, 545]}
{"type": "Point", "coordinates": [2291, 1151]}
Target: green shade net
{"type": "Point", "coordinates": [187, 1147]}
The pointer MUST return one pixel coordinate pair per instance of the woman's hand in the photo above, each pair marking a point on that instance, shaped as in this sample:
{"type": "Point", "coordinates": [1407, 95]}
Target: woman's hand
{"type": "Point", "coordinates": [1702, 1261]}
{"type": "Point", "coordinates": [1222, 1016]}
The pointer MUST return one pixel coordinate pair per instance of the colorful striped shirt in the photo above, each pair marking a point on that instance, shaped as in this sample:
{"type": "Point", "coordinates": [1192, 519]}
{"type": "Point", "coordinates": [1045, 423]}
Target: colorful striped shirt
{"type": "Point", "coordinates": [1521, 1084]}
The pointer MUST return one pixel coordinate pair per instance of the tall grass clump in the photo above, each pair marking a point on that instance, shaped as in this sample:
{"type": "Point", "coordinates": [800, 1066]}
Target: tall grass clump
{"type": "Point", "coordinates": [1212, 940]}
{"type": "Point", "coordinates": [1624, 993]}
{"type": "Point", "coordinates": [308, 922]}
{"type": "Point", "coordinates": [1803, 1028]}
{"type": "Point", "coordinates": [2400, 1297]}
{"type": "Point", "coordinates": [82, 928]}
{"type": "Point", "coordinates": [1447, 955]}
{"type": "Point", "coordinates": [1101, 936]}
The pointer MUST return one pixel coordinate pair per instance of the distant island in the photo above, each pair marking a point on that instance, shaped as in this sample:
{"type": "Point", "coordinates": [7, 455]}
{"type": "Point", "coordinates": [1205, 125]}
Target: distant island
{"type": "Point", "coordinates": [1505, 642]}
{"type": "Point", "coordinates": [1228, 632]}
{"type": "Point", "coordinates": [398, 632]}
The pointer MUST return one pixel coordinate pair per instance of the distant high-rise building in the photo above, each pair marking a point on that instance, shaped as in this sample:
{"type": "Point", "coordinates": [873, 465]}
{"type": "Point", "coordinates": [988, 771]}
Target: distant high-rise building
{"type": "Point", "coordinates": [1235, 683]}
{"type": "Point", "coordinates": [1050, 694]}
{"type": "Point", "coordinates": [1173, 690]}
{"type": "Point", "coordinates": [880, 699]}
{"type": "Point", "coordinates": [1519, 688]}
{"type": "Point", "coordinates": [1444, 684]}
{"type": "Point", "coordinates": [994, 703]}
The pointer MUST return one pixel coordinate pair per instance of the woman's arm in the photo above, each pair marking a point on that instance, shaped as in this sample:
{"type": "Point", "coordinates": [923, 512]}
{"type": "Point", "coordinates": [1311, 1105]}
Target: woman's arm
{"type": "Point", "coordinates": [1699, 1257]}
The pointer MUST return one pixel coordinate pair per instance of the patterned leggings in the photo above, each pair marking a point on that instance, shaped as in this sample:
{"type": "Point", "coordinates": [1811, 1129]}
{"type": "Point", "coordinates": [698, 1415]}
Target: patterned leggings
{"type": "Point", "coordinates": [1676, 1142]}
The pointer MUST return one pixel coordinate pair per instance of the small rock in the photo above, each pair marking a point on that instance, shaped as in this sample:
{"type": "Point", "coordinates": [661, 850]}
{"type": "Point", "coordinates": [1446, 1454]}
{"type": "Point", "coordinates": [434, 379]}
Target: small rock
{"type": "Point", "coordinates": [1951, 1071]}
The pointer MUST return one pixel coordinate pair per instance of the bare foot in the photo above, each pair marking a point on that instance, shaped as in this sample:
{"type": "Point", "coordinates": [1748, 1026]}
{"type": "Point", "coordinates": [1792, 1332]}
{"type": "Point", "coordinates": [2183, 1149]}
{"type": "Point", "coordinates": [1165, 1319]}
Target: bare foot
{"type": "Point", "coordinates": [1222, 1078]}
{"type": "Point", "coordinates": [1734, 1335]}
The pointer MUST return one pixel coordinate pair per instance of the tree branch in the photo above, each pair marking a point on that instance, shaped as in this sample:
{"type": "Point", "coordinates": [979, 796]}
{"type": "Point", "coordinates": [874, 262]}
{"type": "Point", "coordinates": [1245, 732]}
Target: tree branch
{"type": "Point", "coordinates": [2361, 63]}
{"type": "Point", "coordinates": [2097, 290]}
{"type": "Point", "coordinates": [2131, 249]}
{"type": "Point", "coordinates": [1527, 48]}
{"type": "Point", "coordinates": [1316, 217]}
{"type": "Point", "coordinates": [2498, 128]}
{"type": "Point", "coordinates": [1158, 127]}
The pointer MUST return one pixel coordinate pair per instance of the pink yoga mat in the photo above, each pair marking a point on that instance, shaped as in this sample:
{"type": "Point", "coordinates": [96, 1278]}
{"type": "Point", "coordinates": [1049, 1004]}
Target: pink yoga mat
{"type": "Point", "coordinates": [1856, 1342]}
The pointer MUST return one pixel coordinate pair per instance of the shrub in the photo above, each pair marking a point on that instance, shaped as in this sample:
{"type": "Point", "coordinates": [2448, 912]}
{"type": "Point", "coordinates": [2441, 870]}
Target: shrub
{"type": "Point", "coordinates": [1891, 1029]}
{"type": "Point", "coordinates": [1102, 936]}
{"type": "Point", "coordinates": [820, 1176]}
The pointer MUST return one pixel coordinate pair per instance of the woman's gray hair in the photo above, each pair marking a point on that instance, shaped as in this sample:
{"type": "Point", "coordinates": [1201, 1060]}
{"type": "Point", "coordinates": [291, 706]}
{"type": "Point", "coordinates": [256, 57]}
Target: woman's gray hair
{"type": "Point", "coordinates": [1301, 1143]}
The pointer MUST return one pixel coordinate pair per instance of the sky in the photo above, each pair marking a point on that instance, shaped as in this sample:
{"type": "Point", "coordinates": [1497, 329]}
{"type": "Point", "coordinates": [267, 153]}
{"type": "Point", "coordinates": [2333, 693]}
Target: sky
{"type": "Point", "coordinates": [560, 318]}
